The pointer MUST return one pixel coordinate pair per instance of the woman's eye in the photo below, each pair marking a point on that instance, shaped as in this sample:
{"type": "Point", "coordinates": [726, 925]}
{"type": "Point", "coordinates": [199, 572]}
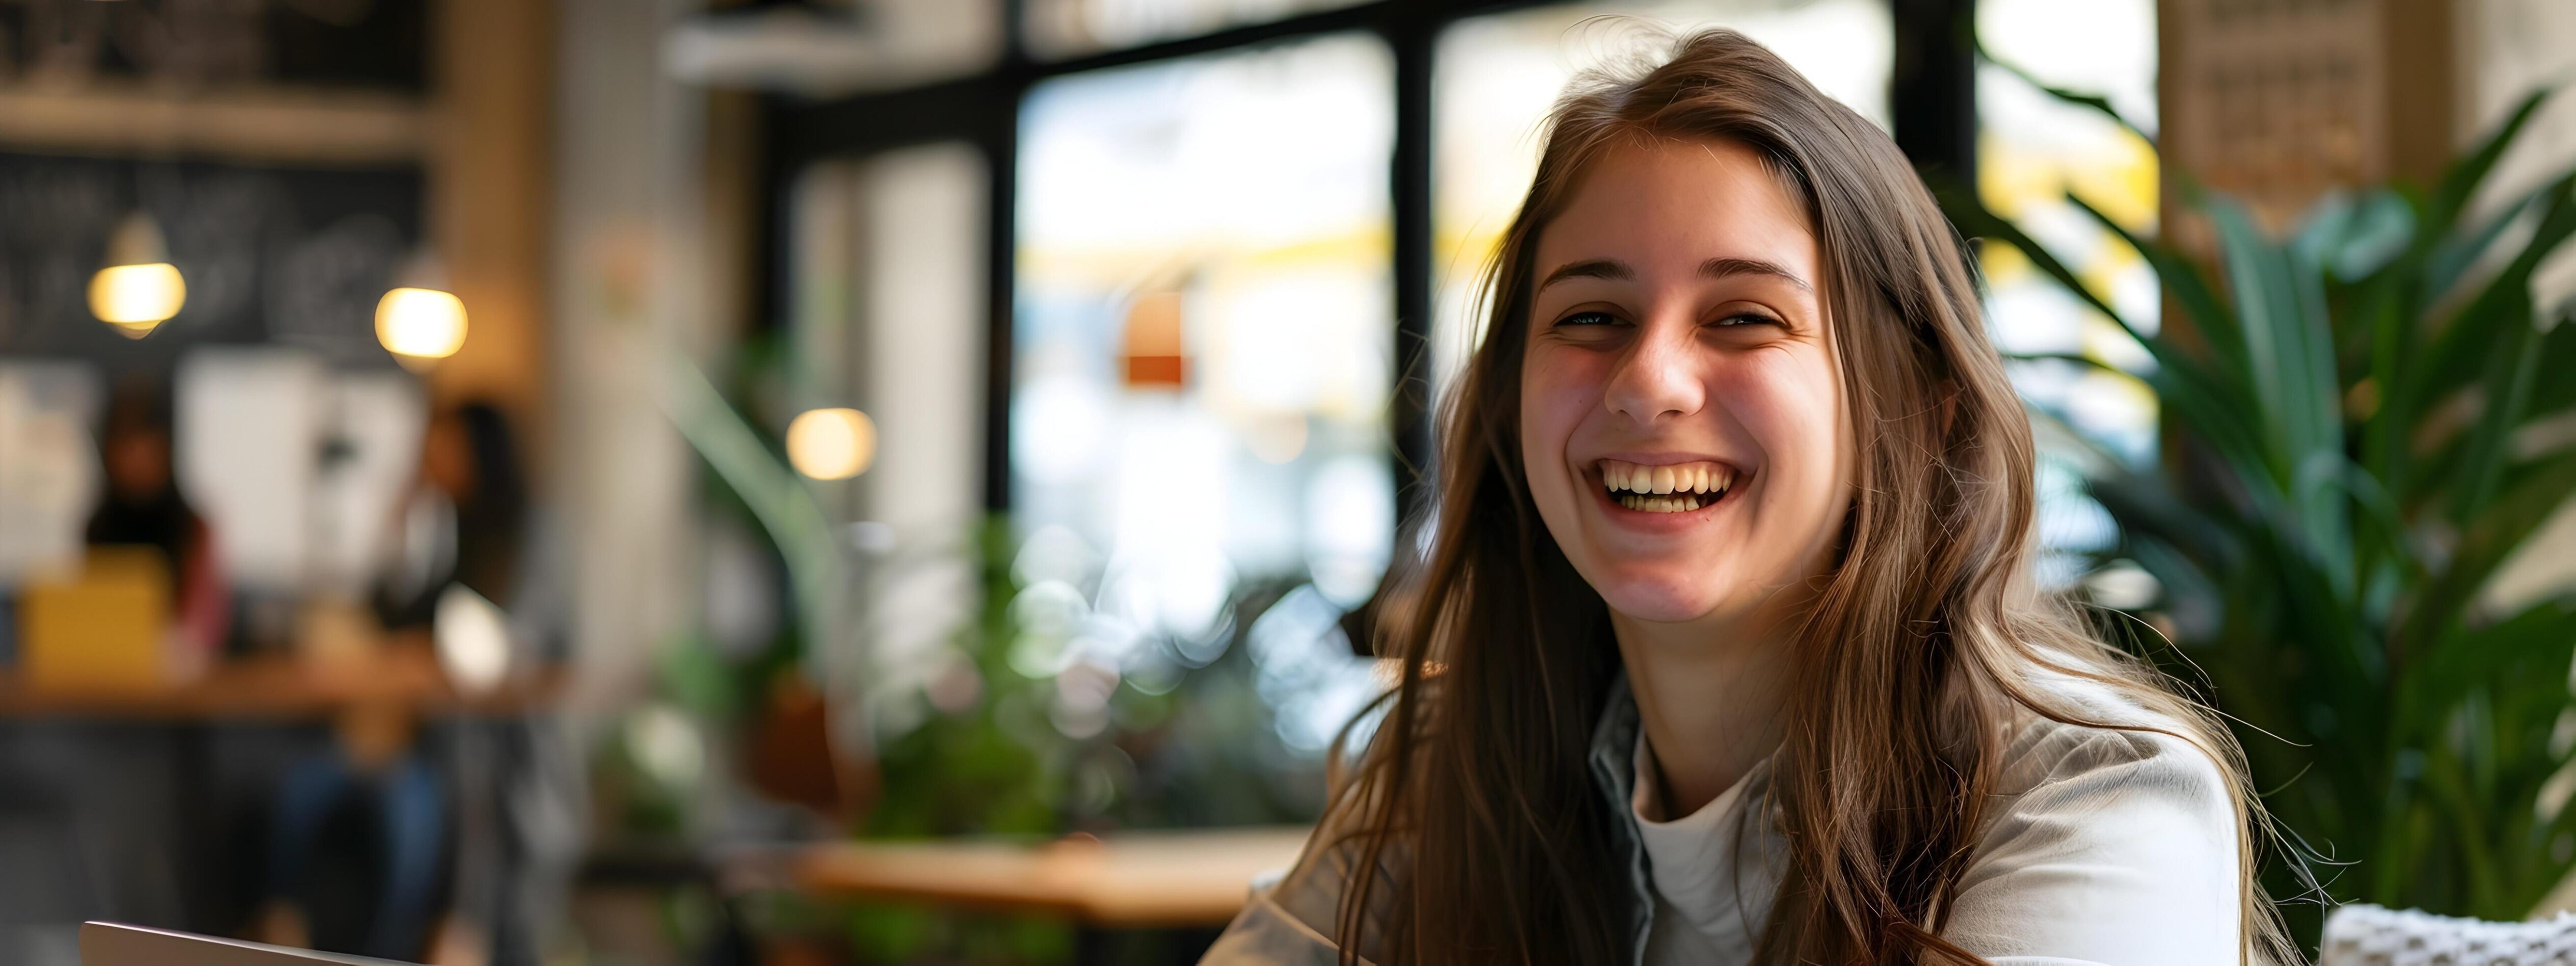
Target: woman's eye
{"type": "Point", "coordinates": [1747, 318]}
{"type": "Point", "coordinates": [1588, 318]}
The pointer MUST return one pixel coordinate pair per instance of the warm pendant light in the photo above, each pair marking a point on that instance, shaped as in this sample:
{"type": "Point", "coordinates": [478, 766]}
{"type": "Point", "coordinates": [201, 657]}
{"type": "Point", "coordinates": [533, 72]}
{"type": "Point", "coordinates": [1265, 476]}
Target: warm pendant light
{"type": "Point", "coordinates": [421, 322]}
{"type": "Point", "coordinates": [831, 444]}
{"type": "Point", "coordinates": [138, 288]}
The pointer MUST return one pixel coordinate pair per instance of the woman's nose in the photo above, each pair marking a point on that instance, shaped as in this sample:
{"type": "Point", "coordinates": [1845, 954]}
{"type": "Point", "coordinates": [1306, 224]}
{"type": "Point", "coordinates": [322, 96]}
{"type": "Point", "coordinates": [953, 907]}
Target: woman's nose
{"type": "Point", "coordinates": [1658, 377]}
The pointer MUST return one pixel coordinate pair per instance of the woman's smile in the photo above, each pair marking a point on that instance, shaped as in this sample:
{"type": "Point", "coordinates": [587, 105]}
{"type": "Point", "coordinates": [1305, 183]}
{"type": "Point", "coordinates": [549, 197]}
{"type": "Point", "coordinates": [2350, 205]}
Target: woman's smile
{"type": "Point", "coordinates": [1651, 493]}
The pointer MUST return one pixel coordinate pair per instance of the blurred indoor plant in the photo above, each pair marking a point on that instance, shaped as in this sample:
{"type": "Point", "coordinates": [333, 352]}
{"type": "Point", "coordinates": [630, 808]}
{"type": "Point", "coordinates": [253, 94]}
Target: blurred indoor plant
{"type": "Point", "coordinates": [2361, 430]}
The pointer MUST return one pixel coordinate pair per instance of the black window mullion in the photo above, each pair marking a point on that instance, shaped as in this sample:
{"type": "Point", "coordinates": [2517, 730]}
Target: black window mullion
{"type": "Point", "coordinates": [1001, 143]}
{"type": "Point", "coordinates": [1932, 85]}
{"type": "Point", "coordinates": [1412, 40]}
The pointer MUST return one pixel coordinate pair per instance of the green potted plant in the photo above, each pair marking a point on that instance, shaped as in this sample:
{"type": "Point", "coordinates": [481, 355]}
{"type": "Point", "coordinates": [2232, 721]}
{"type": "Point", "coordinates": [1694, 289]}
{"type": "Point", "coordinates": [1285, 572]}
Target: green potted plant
{"type": "Point", "coordinates": [2358, 436]}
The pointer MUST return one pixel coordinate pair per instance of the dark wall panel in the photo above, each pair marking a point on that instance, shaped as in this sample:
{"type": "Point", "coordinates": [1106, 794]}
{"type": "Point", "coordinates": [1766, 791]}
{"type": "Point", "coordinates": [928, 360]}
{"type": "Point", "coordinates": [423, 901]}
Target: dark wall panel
{"type": "Point", "coordinates": [343, 43]}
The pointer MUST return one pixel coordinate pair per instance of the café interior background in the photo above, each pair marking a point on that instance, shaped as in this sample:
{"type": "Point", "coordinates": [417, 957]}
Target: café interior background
{"type": "Point", "coordinates": [509, 481]}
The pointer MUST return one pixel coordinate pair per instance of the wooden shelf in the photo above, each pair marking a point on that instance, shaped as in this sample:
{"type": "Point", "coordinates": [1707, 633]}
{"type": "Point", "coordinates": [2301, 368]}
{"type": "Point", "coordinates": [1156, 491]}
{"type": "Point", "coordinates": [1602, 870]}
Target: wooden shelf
{"type": "Point", "coordinates": [1195, 878]}
{"type": "Point", "coordinates": [254, 125]}
{"type": "Point", "coordinates": [402, 675]}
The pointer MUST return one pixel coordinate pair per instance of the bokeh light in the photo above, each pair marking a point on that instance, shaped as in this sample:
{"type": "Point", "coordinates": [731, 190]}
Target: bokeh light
{"type": "Point", "coordinates": [136, 298]}
{"type": "Point", "coordinates": [832, 444]}
{"type": "Point", "coordinates": [420, 323]}
{"type": "Point", "coordinates": [473, 640]}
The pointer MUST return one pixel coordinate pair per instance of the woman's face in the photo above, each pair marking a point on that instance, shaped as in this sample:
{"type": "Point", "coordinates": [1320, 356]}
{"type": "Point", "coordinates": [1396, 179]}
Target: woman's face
{"type": "Point", "coordinates": [1682, 416]}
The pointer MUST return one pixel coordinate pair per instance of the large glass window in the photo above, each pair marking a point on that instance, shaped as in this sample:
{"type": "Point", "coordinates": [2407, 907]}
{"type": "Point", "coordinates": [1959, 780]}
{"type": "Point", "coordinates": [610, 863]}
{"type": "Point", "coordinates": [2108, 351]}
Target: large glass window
{"type": "Point", "coordinates": [1203, 333]}
{"type": "Point", "coordinates": [1497, 75]}
{"type": "Point", "coordinates": [2034, 150]}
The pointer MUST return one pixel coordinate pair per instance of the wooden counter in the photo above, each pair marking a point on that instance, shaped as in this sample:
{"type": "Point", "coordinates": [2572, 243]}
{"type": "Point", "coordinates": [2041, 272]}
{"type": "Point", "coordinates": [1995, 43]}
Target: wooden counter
{"type": "Point", "coordinates": [401, 675]}
{"type": "Point", "coordinates": [1196, 878]}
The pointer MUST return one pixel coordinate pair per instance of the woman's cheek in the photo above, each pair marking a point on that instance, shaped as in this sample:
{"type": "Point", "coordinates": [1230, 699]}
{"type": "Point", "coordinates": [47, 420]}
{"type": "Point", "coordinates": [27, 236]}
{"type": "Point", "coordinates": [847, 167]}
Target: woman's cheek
{"type": "Point", "coordinates": [1552, 402]}
{"type": "Point", "coordinates": [1800, 410]}
{"type": "Point", "coordinates": [1806, 443]}
{"type": "Point", "coordinates": [1544, 426]}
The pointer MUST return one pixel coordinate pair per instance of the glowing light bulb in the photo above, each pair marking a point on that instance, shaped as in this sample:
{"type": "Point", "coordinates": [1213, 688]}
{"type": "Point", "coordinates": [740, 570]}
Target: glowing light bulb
{"type": "Point", "coordinates": [420, 324]}
{"type": "Point", "coordinates": [138, 289]}
{"type": "Point", "coordinates": [832, 444]}
{"type": "Point", "coordinates": [135, 298]}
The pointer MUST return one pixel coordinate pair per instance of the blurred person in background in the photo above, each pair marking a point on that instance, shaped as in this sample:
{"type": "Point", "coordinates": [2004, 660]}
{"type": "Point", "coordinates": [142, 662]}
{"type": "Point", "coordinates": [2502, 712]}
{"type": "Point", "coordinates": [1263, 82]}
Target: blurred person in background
{"type": "Point", "coordinates": [465, 521]}
{"type": "Point", "coordinates": [1728, 649]}
{"type": "Point", "coordinates": [418, 846]}
{"type": "Point", "coordinates": [142, 506]}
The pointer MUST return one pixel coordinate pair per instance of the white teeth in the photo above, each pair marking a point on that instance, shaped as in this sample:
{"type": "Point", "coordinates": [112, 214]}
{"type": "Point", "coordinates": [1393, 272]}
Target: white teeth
{"type": "Point", "coordinates": [1671, 488]}
{"type": "Point", "coordinates": [1660, 504]}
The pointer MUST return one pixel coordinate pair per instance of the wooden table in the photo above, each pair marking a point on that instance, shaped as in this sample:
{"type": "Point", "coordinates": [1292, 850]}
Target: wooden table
{"type": "Point", "coordinates": [401, 675]}
{"type": "Point", "coordinates": [1131, 880]}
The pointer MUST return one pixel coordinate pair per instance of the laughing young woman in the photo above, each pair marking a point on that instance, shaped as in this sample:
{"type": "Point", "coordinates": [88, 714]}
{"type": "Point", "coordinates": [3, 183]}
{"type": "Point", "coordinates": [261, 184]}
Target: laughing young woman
{"type": "Point", "coordinates": [1726, 650]}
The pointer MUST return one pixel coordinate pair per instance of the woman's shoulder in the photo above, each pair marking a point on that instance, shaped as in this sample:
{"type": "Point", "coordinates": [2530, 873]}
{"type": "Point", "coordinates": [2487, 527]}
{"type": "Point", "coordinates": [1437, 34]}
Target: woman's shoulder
{"type": "Point", "coordinates": [1266, 933]}
{"type": "Point", "coordinates": [2097, 738]}
{"type": "Point", "coordinates": [1296, 919]}
{"type": "Point", "coordinates": [2114, 838]}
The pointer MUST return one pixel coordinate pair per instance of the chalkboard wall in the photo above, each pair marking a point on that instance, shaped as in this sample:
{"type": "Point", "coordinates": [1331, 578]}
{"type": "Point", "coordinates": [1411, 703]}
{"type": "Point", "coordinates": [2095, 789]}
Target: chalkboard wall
{"type": "Point", "coordinates": [338, 43]}
{"type": "Point", "coordinates": [296, 257]}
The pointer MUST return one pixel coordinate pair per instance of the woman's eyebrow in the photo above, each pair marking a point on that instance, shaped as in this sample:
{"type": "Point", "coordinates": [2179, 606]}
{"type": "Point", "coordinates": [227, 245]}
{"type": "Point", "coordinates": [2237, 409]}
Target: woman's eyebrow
{"type": "Point", "coordinates": [1715, 268]}
{"type": "Point", "coordinates": [1595, 268]}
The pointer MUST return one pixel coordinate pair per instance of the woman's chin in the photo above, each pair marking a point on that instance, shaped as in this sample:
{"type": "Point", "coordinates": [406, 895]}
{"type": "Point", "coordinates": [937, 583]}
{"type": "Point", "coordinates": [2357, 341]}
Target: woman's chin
{"type": "Point", "coordinates": [1660, 603]}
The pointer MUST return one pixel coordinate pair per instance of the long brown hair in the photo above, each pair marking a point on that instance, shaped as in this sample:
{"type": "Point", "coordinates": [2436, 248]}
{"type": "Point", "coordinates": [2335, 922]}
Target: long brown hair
{"type": "Point", "coordinates": [1484, 836]}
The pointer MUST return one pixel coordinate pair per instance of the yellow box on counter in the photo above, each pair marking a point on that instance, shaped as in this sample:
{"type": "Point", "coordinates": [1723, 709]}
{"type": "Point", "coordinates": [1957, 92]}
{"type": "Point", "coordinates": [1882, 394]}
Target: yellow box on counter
{"type": "Point", "coordinates": [107, 628]}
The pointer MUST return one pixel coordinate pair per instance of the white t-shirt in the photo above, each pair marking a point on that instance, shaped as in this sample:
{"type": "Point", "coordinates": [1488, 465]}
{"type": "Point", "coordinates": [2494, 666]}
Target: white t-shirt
{"type": "Point", "coordinates": [2107, 847]}
{"type": "Point", "coordinates": [1714, 874]}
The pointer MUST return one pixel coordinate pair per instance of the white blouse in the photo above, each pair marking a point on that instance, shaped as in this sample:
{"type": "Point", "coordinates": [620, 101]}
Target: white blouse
{"type": "Point", "coordinates": [2108, 848]}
